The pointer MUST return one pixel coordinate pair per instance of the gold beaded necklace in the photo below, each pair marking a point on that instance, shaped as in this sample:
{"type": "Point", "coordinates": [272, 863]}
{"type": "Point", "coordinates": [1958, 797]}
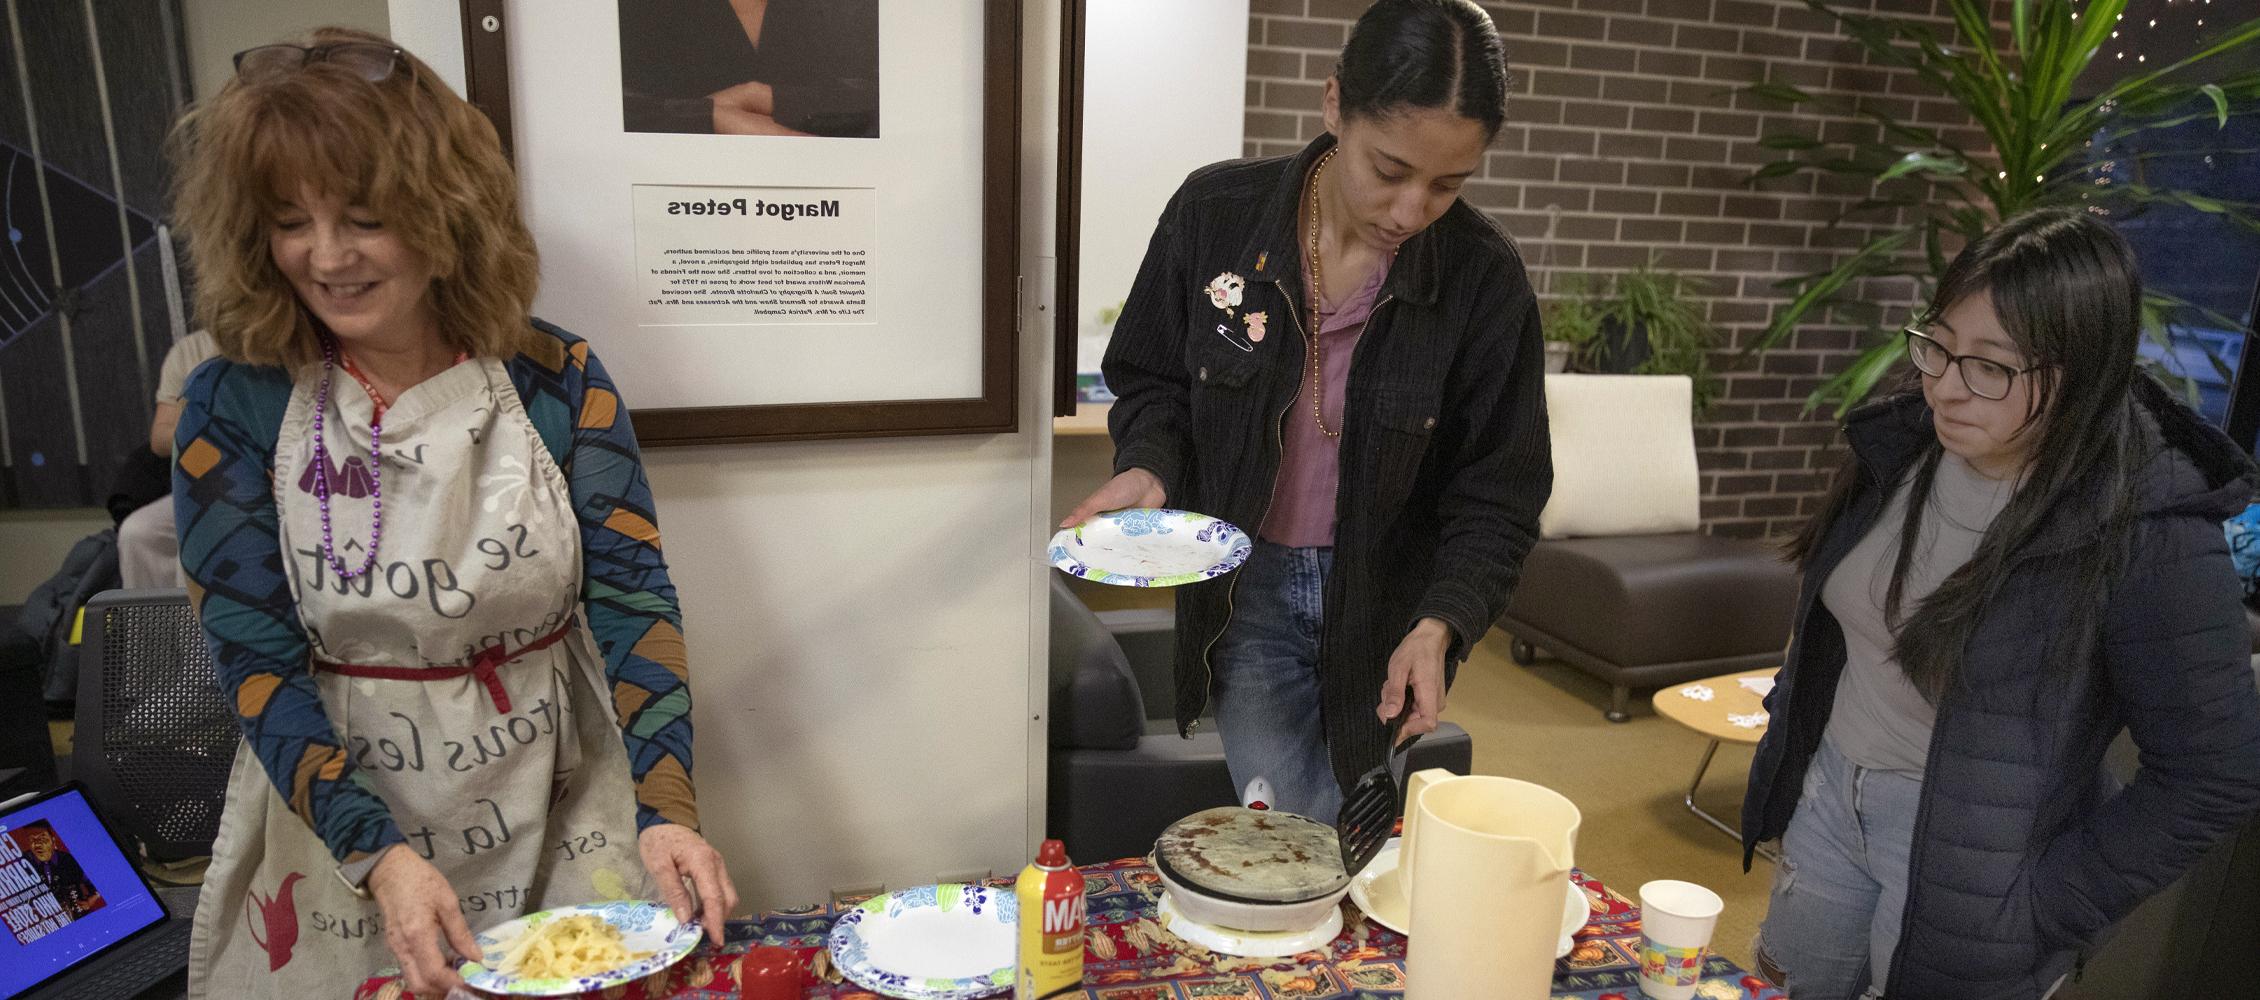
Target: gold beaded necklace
{"type": "Point", "coordinates": [1317, 360]}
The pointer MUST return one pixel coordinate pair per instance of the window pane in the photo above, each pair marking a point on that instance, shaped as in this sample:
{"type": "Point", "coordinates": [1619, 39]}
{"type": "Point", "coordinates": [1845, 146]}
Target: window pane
{"type": "Point", "coordinates": [2189, 254]}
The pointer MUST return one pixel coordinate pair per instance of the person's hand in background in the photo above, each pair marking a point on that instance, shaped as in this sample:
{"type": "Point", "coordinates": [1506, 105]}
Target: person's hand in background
{"type": "Point", "coordinates": [750, 108]}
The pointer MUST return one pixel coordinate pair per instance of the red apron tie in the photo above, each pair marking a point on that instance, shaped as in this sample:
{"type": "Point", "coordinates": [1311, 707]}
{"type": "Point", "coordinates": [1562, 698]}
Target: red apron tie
{"type": "Point", "coordinates": [483, 665]}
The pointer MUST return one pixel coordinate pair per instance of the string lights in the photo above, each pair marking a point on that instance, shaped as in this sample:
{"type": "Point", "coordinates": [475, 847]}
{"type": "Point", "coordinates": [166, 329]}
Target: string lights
{"type": "Point", "coordinates": [2174, 28]}
{"type": "Point", "coordinates": [2132, 40]}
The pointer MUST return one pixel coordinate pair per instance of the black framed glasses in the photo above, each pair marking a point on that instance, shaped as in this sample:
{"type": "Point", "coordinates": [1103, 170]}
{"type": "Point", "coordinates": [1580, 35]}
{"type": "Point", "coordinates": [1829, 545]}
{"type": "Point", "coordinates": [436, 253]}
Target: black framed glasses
{"type": "Point", "coordinates": [367, 60]}
{"type": "Point", "coordinates": [1986, 378]}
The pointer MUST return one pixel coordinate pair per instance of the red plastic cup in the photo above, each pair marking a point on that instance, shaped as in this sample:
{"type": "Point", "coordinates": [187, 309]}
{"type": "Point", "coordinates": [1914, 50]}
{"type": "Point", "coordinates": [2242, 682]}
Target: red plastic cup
{"type": "Point", "coordinates": [769, 972]}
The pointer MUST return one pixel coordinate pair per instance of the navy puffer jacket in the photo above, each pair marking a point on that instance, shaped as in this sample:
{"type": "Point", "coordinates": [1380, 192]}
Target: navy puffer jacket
{"type": "Point", "coordinates": [2023, 848]}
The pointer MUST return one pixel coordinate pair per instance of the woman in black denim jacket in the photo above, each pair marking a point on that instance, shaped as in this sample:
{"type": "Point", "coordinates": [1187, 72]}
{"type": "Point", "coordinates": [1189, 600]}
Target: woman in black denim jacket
{"type": "Point", "coordinates": [1336, 353]}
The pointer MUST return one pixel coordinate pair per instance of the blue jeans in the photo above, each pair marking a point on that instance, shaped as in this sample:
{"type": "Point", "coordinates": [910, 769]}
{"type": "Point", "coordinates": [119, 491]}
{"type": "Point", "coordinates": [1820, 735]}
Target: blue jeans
{"type": "Point", "coordinates": [1265, 686]}
{"type": "Point", "coordinates": [1840, 891]}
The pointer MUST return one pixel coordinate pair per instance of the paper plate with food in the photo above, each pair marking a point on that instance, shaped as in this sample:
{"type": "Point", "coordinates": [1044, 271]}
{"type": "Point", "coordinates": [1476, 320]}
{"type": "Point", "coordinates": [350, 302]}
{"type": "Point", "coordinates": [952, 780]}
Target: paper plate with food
{"type": "Point", "coordinates": [573, 949]}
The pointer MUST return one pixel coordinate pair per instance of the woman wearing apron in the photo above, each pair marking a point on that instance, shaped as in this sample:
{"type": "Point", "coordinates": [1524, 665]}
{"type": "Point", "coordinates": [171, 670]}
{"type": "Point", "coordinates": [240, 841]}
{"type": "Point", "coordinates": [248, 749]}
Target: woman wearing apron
{"type": "Point", "coordinates": [421, 544]}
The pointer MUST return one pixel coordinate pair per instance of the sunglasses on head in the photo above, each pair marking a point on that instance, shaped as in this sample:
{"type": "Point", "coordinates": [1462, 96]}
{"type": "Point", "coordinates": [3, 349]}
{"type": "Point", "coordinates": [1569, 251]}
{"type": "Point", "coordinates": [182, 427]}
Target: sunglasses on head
{"type": "Point", "coordinates": [368, 60]}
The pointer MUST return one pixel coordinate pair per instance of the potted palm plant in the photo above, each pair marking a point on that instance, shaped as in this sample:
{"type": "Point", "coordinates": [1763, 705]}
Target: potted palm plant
{"type": "Point", "coordinates": [2021, 96]}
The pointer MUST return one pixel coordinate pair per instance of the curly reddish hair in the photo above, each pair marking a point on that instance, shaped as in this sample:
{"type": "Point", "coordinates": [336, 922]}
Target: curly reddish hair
{"type": "Point", "coordinates": [406, 148]}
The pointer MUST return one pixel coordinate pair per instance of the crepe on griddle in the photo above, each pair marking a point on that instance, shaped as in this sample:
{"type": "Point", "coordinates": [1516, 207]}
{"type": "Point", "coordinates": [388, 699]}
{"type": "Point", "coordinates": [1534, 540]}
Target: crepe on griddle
{"type": "Point", "coordinates": [1251, 854]}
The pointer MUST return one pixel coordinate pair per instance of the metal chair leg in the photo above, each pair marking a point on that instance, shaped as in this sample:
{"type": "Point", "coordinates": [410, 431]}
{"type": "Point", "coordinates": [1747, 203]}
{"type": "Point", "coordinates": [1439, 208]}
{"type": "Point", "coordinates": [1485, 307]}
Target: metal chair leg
{"type": "Point", "coordinates": [1696, 782]}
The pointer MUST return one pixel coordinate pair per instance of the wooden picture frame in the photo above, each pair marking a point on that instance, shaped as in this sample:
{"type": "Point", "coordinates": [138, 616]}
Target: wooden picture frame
{"type": "Point", "coordinates": [995, 410]}
{"type": "Point", "coordinates": [1069, 249]}
{"type": "Point", "coordinates": [486, 64]}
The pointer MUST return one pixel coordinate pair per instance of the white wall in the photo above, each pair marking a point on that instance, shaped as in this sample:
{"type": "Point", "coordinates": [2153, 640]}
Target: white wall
{"type": "Point", "coordinates": [433, 29]}
{"type": "Point", "coordinates": [34, 542]}
{"type": "Point", "coordinates": [866, 619]}
{"type": "Point", "coordinates": [218, 29]}
{"type": "Point", "coordinates": [1164, 92]}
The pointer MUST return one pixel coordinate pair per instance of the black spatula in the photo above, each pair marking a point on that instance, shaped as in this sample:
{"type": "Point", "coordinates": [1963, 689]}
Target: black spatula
{"type": "Point", "coordinates": [1369, 815]}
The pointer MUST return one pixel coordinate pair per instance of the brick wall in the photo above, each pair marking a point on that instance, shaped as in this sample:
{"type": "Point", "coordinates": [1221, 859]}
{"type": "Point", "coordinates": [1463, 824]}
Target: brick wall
{"type": "Point", "coordinates": [1623, 141]}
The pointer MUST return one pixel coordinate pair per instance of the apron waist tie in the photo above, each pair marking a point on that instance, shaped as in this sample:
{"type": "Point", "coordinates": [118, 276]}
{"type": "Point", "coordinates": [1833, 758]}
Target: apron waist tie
{"type": "Point", "coordinates": [482, 665]}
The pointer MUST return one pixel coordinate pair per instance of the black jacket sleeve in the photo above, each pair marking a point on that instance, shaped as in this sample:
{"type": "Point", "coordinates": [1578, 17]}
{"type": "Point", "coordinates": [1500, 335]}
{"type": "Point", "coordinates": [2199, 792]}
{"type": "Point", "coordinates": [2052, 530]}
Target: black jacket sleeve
{"type": "Point", "coordinates": [1145, 361]}
{"type": "Point", "coordinates": [2178, 660]}
{"type": "Point", "coordinates": [1504, 471]}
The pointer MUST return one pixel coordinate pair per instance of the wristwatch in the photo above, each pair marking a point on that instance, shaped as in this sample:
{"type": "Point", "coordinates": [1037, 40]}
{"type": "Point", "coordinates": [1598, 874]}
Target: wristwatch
{"type": "Point", "coordinates": [355, 873]}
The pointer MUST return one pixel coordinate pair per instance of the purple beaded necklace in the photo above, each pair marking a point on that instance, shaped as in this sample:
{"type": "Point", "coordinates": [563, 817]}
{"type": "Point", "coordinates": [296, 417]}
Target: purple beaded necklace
{"type": "Point", "coordinates": [322, 474]}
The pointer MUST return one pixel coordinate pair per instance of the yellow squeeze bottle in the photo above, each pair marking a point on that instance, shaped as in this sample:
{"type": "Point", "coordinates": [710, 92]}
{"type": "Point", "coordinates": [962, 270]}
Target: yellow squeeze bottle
{"type": "Point", "coordinates": [1050, 893]}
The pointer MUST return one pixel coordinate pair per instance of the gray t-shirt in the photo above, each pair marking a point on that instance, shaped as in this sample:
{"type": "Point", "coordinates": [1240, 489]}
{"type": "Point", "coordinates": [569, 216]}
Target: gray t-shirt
{"type": "Point", "coordinates": [1881, 720]}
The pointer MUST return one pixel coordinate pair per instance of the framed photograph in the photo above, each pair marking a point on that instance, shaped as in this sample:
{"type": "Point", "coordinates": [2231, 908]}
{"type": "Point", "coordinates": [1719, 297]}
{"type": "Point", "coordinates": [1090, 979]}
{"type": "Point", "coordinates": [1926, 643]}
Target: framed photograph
{"type": "Point", "coordinates": [773, 219]}
{"type": "Point", "coordinates": [783, 69]}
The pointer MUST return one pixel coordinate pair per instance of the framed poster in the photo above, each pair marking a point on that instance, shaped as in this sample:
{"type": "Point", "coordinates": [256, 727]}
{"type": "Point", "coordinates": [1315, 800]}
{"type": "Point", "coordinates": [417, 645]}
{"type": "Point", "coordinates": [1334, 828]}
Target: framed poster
{"type": "Point", "coordinates": [772, 219]}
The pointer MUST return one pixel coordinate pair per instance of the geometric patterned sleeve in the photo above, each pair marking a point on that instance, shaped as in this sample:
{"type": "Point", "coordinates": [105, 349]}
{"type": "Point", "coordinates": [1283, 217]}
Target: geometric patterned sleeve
{"type": "Point", "coordinates": [629, 600]}
{"type": "Point", "coordinates": [224, 506]}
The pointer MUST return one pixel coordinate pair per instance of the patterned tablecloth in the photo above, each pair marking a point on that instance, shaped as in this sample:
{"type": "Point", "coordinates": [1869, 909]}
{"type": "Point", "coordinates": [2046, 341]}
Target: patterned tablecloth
{"type": "Point", "coordinates": [1130, 957]}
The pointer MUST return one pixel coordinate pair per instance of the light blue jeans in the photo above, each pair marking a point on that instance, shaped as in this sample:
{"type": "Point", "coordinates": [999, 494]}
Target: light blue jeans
{"type": "Point", "coordinates": [1265, 687]}
{"type": "Point", "coordinates": [1840, 890]}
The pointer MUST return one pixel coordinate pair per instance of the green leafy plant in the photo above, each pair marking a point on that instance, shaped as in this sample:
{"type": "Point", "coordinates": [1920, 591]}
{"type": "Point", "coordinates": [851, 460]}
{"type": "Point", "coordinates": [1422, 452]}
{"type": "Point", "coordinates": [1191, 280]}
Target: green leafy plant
{"type": "Point", "coordinates": [1574, 317]}
{"type": "Point", "coordinates": [2020, 95]}
{"type": "Point", "coordinates": [1610, 318]}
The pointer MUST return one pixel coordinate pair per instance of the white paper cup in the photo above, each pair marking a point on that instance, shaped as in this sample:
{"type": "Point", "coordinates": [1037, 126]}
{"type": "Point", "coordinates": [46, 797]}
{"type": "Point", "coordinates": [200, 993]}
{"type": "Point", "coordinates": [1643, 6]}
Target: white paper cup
{"type": "Point", "coordinates": [1676, 921]}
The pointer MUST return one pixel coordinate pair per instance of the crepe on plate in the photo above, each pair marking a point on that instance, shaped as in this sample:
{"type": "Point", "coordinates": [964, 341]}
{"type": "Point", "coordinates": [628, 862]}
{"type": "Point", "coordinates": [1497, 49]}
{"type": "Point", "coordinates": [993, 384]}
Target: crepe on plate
{"type": "Point", "coordinates": [1252, 854]}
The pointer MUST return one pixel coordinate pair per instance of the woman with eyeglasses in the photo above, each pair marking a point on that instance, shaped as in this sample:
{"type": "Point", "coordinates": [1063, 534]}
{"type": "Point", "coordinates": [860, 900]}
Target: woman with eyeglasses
{"type": "Point", "coordinates": [421, 542]}
{"type": "Point", "coordinates": [2022, 556]}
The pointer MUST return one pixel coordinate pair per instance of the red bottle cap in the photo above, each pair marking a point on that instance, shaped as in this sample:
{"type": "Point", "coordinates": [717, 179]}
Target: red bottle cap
{"type": "Point", "coordinates": [1052, 855]}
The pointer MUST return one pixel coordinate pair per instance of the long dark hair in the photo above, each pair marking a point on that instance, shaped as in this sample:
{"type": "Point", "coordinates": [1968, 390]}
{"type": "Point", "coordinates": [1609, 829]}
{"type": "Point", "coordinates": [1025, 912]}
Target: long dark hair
{"type": "Point", "coordinates": [1425, 54]}
{"type": "Point", "coordinates": [2067, 291]}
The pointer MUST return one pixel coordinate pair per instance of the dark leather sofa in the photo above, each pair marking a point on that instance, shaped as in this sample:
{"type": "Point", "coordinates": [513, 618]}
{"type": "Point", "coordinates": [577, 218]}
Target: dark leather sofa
{"type": "Point", "coordinates": [1650, 610]}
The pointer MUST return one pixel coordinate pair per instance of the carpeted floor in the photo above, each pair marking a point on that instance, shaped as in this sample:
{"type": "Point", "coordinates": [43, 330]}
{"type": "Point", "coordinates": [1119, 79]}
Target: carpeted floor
{"type": "Point", "coordinates": [1543, 723]}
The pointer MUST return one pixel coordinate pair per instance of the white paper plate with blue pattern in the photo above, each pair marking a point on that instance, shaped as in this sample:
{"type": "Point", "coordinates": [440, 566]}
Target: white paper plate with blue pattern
{"type": "Point", "coordinates": [1150, 547]}
{"type": "Point", "coordinates": [644, 927]}
{"type": "Point", "coordinates": [933, 942]}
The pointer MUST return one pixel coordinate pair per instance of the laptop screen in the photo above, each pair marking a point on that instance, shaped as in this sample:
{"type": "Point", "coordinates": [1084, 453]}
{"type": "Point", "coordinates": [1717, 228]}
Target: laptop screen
{"type": "Point", "coordinates": [67, 891]}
